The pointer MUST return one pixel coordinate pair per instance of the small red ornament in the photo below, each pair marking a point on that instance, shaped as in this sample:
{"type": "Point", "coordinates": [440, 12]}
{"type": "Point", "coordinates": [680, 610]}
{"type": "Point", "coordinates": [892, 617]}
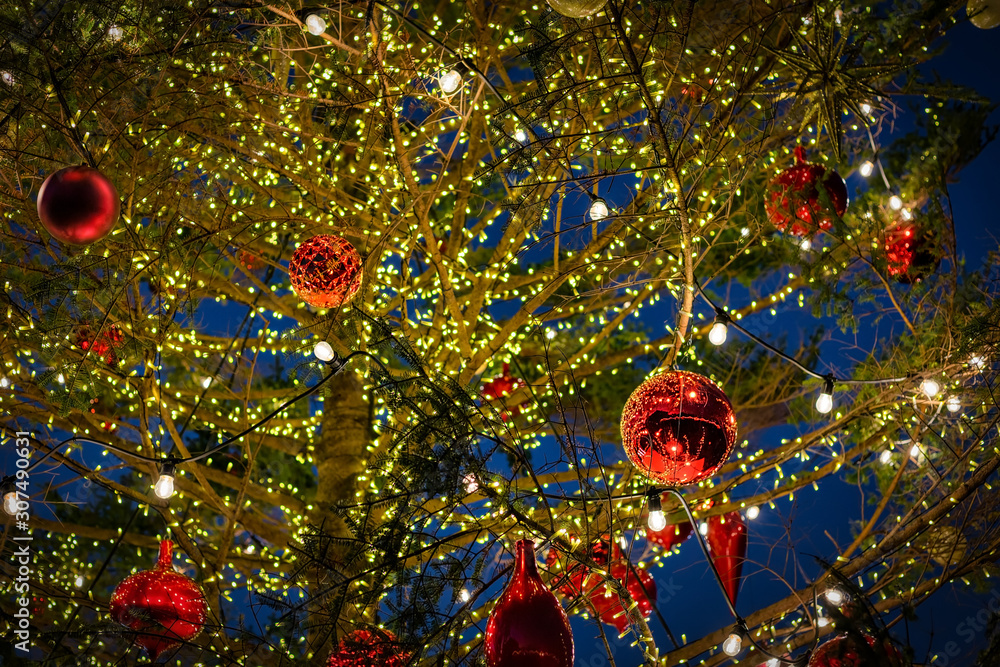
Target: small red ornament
{"type": "Point", "coordinates": [671, 535]}
{"type": "Point", "coordinates": [163, 607]}
{"type": "Point", "coordinates": [502, 386]}
{"type": "Point", "coordinates": [528, 627]}
{"type": "Point", "coordinates": [325, 271]}
{"type": "Point", "coordinates": [103, 344]}
{"type": "Point", "coordinates": [78, 205]}
{"type": "Point", "coordinates": [678, 428]}
{"type": "Point", "coordinates": [369, 648]}
{"type": "Point", "coordinates": [910, 253]}
{"type": "Point", "coordinates": [794, 197]}
{"type": "Point", "coordinates": [250, 261]}
{"type": "Point", "coordinates": [846, 650]}
{"type": "Point", "coordinates": [727, 542]}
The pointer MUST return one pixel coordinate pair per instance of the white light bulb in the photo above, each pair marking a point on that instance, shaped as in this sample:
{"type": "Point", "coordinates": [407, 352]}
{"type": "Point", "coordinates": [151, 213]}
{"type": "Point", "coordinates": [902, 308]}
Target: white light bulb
{"type": "Point", "coordinates": [753, 512]}
{"type": "Point", "coordinates": [806, 245]}
{"type": "Point", "coordinates": [4, 382]}
{"type": "Point", "coordinates": [323, 351]}
{"type": "Point", "coordinates": [550, 333]}
{"type": "Point", "coordinates": [315, 24]}
{"type": "Point", "coordinates": [471, 485]}
{"type": "Point", "coordinates": [954, 404]}
{"type": "Point", "coordinates": [7, 78]}
{"type": "Point", "coordinates": [915, 451]}
{"type": "Point", "coordinates": [79, 582]}
{"type": "Point", "coordinates": [520, 136]}
{"type": "Point", "coordinates": [703, 528]}
{"type": "Point", "coordinates": [115, 33]}
{"type": "Point", "coordinates": [206, 382]}
{"type": "Point", "coordinates": [867, 167]}
{"type": "Point", "coordinates": [823, 622]}
{"type": "Point", "coordinates": [834, 595]}
{"type": "Point", "coordinates": [61, 379]}
{"type": "Point", "coordinates": [745, 232]}
{"type": "Point", "coordinates": [465, 596]}
{"type": "Point", "coordinates": [10, 502]}
{"type": "Point", "coordinates": [657, 521]}
{"type": "Point", "coordinates": [907, 214]}
{"type": "Point", "coordinates": [824, 404]}
{"type": "Point", "coordinates": [598, 210]}
{"type": "Point", "coordinates": [885, 456]}
{"type": "Point", "coordinates": [895, 203]}
{"type": "Point", "coordinates": [450, 81]}
{"type": "Point", "coordinates": [930, 387]}
{"type": "Point", "coordinates": [164, 486]}
{"type": "Point", "coordinates": [977, 362]}
{"type": "Point", "coordinates": [717, 335]}
{"type": "Point", "coordinates": [866, 109]}
{"type": "Point", "coordinates": [773, 662]}
{"type": "Point", "coordinates": [732, 645]}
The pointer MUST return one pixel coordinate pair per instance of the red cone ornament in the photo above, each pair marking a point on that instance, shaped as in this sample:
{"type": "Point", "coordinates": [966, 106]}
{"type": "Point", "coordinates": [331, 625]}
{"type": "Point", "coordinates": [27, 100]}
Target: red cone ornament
{"type": "Point", "coordinates": [671, 535]}
{"type": "Point", "coordinates": [727, 542]}
{"type": "Point", "coordinates": [325, 271]}
{"type": "Point", "coordinates": [528, 627]}
{"type": "Point", "coordinates": [793, 202]}
{"type": "Point", "coordinates": [678, 428]}
{"type": "Point", "coordinates": [369, 648]}
{"type": "Point", "coordinates": [911, 254]}
{"type": "Point", "coordinates": [847, 650]}
{"type": "Point", "coordinates": [78, 205]}
{"type": "Point", "coordinates": [163, 607]}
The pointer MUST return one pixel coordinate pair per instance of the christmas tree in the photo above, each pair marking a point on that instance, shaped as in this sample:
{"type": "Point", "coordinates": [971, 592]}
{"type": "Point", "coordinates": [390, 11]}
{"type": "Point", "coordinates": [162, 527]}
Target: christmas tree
{"type": "Point", "coordinates": [375, 310]}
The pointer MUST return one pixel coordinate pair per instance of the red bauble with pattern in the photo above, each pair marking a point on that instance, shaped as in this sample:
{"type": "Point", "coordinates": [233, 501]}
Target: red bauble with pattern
{"type": "Point", "coordinates": [163, 607]}
{"type": "Point", "coordinates": [727, 542]}
{"type": "Point", "coordinates": [325, 271]}
{"type": "Point", "coordinates": [678, 428]}
{"type": "Point", "coordinates": [847, 650]}
{"type": "Point", "coordinates": [502, 386]}
{"type": "Point", "coordinates": [78, 205]}
{"type": "Point", "coordinates": [793, 201]}
{"type": "Point", "coordinates": [671, 535]}
{"type": "Point", "coordinates": [911, 253]}
{"type": "Point", "coordinates": [369, 648]}
{"type": "Point", "coordinates": [528, 627]}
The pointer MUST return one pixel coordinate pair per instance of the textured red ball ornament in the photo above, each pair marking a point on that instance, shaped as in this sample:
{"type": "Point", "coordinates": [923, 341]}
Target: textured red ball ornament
{"type": "Point", "coordinates": [911, 254]}
{"type": "Point", "coordinates": [727, 542]}
{"type": "Point", "coordinates": [678, 428]}
{"type": "Point", "coordinates": [102, 345]}
{"type": "Point", "coordinates": [325, 271]}
{"type": "Point", "coordinates": [793, 202]}
{"type": "Point", "coordinates": [528, 627]}
{"type": "Point", "coordinates": [671, 535]}
{"type": "Point", "coordinates": [502, 386]}
{"type": "Point", "coordinates": [78, 205]}
{"type": "Point", "coordinates": [848, 651]}
{"type": "Point", "coordinates": [163, 607]}
{"type": "Point", "coordinates": [369, 648]}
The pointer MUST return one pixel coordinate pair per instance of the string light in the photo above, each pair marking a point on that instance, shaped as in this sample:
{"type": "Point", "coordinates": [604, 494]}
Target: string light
{"type": "Point", "coordinates": [315, 24]}
{"type": "Point", "coordinates": [733, 644]}
{"type": "Point", "coordinates": [324, 351]}
{"type": "Point", "coordinates": [464, 596]}
{"type": "Point", "coordinates": [753, 512]}
{"type": "Point", "coordinates": [450, 81]}
{"type": "Point", "coordinates": [866, 108]}
{"type": "Point", "coordinates": [978, 362]}
{"type": "Point", "coordinates": [720, 329]}
{"type": "Point", "coordinates": [115, 33]}
{"type": "Point", "coordinates": [867, 167]}
{"type": "Point", "coordinates": [165, 482]}
{"type": "Point", "coordinates": [930, 387]}
{"type": "Point", "coordinates": [954, 404]}
{"type": "Point", "coordinates": [10, 502]}
{"type": "Point", "coordinates": [824, 404]}
{"type": "Point", "coordinates": [806, 245]}
{"type": "Point", "coordinates": [206, 382]}
{"type": "Point", "coordinates": [657, 521]}
{"type": "Point", "coordinates": [4, 382]}
{"type": "Point", "coordinates": [885, 456]}
{"type": "Point", "coordinates": [520, 136]}
{"type": "Point", "coordinates": [703, 528]}
{"type": "Point", "coordinates": [895, 203]}
{"type": "Point", "coordinates": [835, 596]}
{"type": "Point", "coordinates": [598, 209]}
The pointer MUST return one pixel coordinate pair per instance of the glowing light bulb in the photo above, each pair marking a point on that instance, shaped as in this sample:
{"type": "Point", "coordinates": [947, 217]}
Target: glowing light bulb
{"type": "Point", "coordinates": [520, 136]}
{"type": "Point", "coordinates": [10, 502]}
{"type": "Point", "coordinates": [930, 387]}
{"type": "Point", "coordinates": [657, 521]}
{"type": "Point", "coordinates": [450, 81]}
{"type": "Point", "coordinates": [916, 454]}
{"type": "Point", "coordinates": [4, 382]}
{"type": "Point", "coordinates": [323, 351]}
{"type": "Point", "coordinates": [867, 167]}
{"type": "Point", "coordinates": [550, 333]}
{"type": "Point", "coordinates": [115, 33]}
{"type": "Point", "coordinates": [745, 232]}
{"type": "Point", "coordinates": [471, 485]}
{"type": "Point", "coordinates": [907, 214]}
{"type": "Point", "coordinates": [824, 403]}
{"type": "Point", "coordinates": [806, 245]}
{"type": "Point", "coordinates": [954, 404]}
{"type": "Point", "coordinates": [7, 78]}
{"type": "Point", "coordinates": [315, 24]}
{"type": "Point", "coordinates": [703, 528]}
{"type": "Point", "coordinates": [61, 379]}
{"type": "Point", "coordinates": [465, 595]}
{"type": "Point", "coordinates": [598, 210]}
{"type": "Point", "coordinates": [895, 203]}
{"type": "Point", "coordinates": [733, 644]}
{"type": "Point", "coordinates": [866, 108]}
{"type": "Point", "coordinates": [753, 512]}
{"type": "Point", "coordinates": [79, 582]}
{"type": "Point", "coordinates": [823, 621]}
{"type": "Point", "coordinates": [978, 362]}
{"type": "Point", "coordinates": [885, 456]}
{"type": "Point", "coordinates": [164, 486]}
{"type": "Point", "coordinates": [835, 596]}
{"type": "Point", "coordinates": [717, 335]}
{"type": "Point", "coordinates": [206, 382]}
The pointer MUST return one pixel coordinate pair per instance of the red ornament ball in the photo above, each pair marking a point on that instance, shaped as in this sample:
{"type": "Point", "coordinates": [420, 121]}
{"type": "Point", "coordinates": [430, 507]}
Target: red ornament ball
{"type": "Point", "coordinates": [793, 202]}
{"type": "Point", "coordinates": [325, 271]}
{"type": "Point", "coordinates": [78, 205]}
{"type": "Point", "coordinates": [528, 627]}
{"type": "Point", "coordinates": [502, 386]}
{"type": "Point", "coordinates": [369, 648]}
{"type": "Point", "coordinates": [163, 607]}
{"type": "Point", "coordinates": [678, 428]}
{"type": "Point", "coordinates": [911, 254]}
{"type": "Point", "coordinates": [846, 650]}
{"type": "Point", "coordinates": [103, 344]}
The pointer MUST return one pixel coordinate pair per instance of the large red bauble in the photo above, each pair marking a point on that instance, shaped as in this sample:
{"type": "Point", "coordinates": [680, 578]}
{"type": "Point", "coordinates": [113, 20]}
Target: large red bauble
{"type": "Point", "coordinates": [325, 271]}
{"type": "Point", "coordinates": [671, 535]}
{"type": "Point", "coordinates": [678, 428]}
{"type": "Point", "coordinates": [78, 205]}
{"type": "Point", "coordinates": [911, 254]}
{"type": "Point", "coordinates": [528, 627]}
{"type": "Point", "coordinates": [727, 542]}
{"type": "Point", "coordinates": [163, 607]}
{"type": "Point", "coordinates": [369, 648]}
{"type": "Point", "coordinates": [846, 650]}
{"type": "Point", "coordinates": [578, 580]}
{"type": "Point", "coordinates": [793, 202]}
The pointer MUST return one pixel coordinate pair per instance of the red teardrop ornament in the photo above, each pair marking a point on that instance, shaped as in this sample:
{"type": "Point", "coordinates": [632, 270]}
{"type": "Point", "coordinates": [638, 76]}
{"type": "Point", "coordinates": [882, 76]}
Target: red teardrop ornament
{"type": "Point", "coordinates": [78, 205]}
{"type": "Point", "coordinates": [528, 627]}
{"type": "Point", "coordinates": [325, 271]}
{"type": "Point", "coordinates": [671, 535]}
{"type": "Point", "coordinates": [163, 607]}
{"type": "Point", "coordinates": [369, 648]}
{"type": "Point", "coordinates": [847, 650]}
{"type": "Point", "coordinates": [678, 428]}
{"type": "Point", "coordinates": [793, 202]}
{"type": "Point", "coordinates": [727, 542]}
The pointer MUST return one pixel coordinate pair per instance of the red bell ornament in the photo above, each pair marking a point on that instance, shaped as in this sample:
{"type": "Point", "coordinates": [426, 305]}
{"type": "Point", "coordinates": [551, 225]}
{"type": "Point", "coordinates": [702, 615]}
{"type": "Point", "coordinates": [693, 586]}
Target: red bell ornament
{"type": "Point", "coordinates": [727, 542]}
{"type": "Point", "coordinates": [163, 607]}
{"type": "Point", "coordinates": [793, 202]}
{"type": "Point", "coordinates": [678, 428]}
{"type": "Point", "coordinates": [671, 535]}
{"type": "Point", "coordinates": [78, 205]}
{"type": "Point", "coordinates": [528, 627]}
{"type": "Point", "coordinates": [911, 253]}
{"type": "Point", "coordinates": [369, 648]}
{"type": "Point", "coordinates": [847, 650]}
{"type": "Point", "coordinates": [325, 271]}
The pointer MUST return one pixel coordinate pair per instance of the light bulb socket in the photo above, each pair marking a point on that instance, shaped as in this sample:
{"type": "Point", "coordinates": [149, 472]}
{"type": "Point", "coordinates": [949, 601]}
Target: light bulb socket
{"type": "Point", "coordinates": [655, 504]}
{"type": "Point", "coordinates": [828, 383]}
{"type": "Point", "coordinates": [169, 467]}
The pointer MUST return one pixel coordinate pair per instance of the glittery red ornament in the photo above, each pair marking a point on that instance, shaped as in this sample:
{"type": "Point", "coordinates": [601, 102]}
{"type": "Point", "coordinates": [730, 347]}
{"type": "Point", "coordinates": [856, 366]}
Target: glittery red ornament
{"type": "Point", "coordinates": [163, 607]}
{"type": "Point", "coordinates": [502, 386]}
{"type": "Point", "coordinates": [325, 271]}
{"type": "Point", "coordinates": [578, 580]}
{"type": "Point", "coordinates": [671, 535]}
{"type": "Point", "coordinates": [794, 199]}
{"type": "Point", "coordinates": [911, 254]}
{"type": "Point", "coordinates": [78, 205]}
{"type": "Point", "coordinates": [678, 428]}
{"type": "Point", "coordinates": [727, 542]}
{"type": "Point", "coordinates": [847, 650]}
{"type": "Point", "coordinates": [103, 344]}
{"type": "Point", "coordinates": [369, 648]}
{"type": "Point", "coordinates": [528, 627]}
